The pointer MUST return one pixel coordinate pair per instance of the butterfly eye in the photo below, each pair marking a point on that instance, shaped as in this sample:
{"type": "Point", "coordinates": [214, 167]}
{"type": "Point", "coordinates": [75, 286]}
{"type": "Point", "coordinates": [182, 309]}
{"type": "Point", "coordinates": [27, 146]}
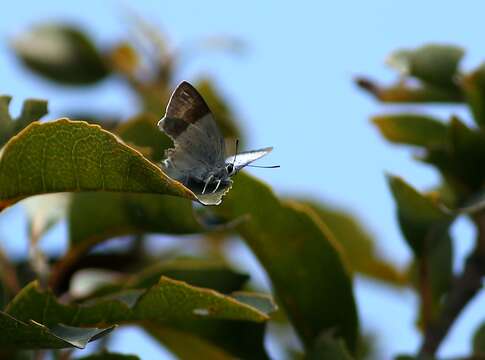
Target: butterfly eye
{"type": "Point", "coordinates": [230, 168]}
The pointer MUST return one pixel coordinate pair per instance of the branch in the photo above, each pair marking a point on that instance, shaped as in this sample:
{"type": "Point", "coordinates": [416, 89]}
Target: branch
{"type": "Point", "coordinates": [464, 289]}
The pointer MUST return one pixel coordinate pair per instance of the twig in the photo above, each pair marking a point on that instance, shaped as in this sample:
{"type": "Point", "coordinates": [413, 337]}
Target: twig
{"type": "Point", "coordinates": [464, 289]}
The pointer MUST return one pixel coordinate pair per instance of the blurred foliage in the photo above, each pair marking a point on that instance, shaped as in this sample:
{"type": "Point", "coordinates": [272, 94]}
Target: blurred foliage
{"type": "Point", "coordinates": [198, 306]}
{"type": "Point", "coordinates": [432, 74]}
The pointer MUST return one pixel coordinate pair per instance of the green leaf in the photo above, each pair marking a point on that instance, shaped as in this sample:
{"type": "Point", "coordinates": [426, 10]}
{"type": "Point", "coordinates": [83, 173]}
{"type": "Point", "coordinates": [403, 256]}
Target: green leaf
{"type": "Point", "coordinates": [169, 300]}
{"type": "Point", "coordinates": [109, 356]}
{"type": "Point", "coordinates": [317, 292]}
{"type": "Point", "coordinates": [434, 64]}
{"type": "Point", "coordinates": [473, 85]}
{"type": "Point", "coordinates": [357, 243]}
{"type": "Point", "coordinates": [425, 226]}
{"type": "Point", "coordinates": [420, 218]}
{"type": "Point", "coordinates": [412, 129]}
{"type": "Point", "coordinates": [479, 341]}
{"type": "Point", "coordinates": [410, 93]}
{"type": "Point", "coordinates": [61, 53]}
{"type": "Point", "coordinates": [34, 335]}
{"type": "Point", "coordinates": [327, 347]}
{"type": "Point", "coordinates": [66, 156]}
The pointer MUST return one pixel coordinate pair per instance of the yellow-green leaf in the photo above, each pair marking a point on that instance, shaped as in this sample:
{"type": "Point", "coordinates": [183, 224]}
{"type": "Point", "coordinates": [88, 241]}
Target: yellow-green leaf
{"type": "Point", "coordinates": [68, 156]}
{"type": "Point", "coordinates": [358, 244]}
{"type": "Point", "coordinates": [412, 129]}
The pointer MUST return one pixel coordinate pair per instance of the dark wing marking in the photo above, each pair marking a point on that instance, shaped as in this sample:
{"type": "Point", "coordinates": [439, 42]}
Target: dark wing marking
{"type": "Point", "coordinates": [247, 157]}
{"type": "Point", "coordinates": [199, 145]}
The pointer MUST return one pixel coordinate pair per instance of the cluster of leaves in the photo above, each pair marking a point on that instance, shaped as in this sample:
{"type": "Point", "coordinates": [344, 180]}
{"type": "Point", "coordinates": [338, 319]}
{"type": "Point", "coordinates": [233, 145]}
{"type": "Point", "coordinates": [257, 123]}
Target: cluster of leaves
{"type": "Point", "coordinates": [431, 74]}
{"type": "Point", "coordinates": [196, 307]}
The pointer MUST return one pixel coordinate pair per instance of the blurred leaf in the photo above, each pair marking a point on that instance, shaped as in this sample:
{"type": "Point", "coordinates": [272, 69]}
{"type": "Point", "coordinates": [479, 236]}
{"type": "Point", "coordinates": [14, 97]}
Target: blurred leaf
{"type": "Point", "coordinates": [61, 53]}
{"type": "Point", "coordinates": [434, 64]}
{"type": "Point", "coordinates": [473, 85]}
{"type": "Point", "coordinates": [143, 131]}
{"type": "Point", "coordinates": [425, 227]}
{"type": "Point", "coordinates": [412, 129]}
{"type": "Point", "coordinates": [409, 93]}
{"type": "Point", "coordinates": [326, 347]}
{"type": "Point", "coordinates": [203, 273]}
{"type": "Point", "coordinates": [169, 300]}
{"type": "Point", "coordinates": [109, 356]}
{"type": "Point", "coordinates": [34, 335]}
{"type": "Point", "coordinates": [358, 244]}
{"type": "Point", "coordinates": [458, 160]}
{"type": "Point", "coordinates": [68, 155]}
{"type": "Point", "coordinates": [479, 341]}
{"type": "Point", "coordinates": [32, 110]}
{"type": "Point", "coordinates": [240, 339]}
{"type": "Point", "coordinates": [224, 117]}
{"type": "Point", "coordinates": [96, 217]}
{"type": "Point", "coordinates": [317, 292]}
{"type": "Point", "coordinates": [421, 220]}
{"type": "Point", "coordinates": [188, 346]}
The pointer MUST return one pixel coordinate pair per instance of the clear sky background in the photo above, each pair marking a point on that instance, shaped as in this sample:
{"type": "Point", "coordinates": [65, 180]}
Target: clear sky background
{"type": "Point", "coordinates": [293, 88]}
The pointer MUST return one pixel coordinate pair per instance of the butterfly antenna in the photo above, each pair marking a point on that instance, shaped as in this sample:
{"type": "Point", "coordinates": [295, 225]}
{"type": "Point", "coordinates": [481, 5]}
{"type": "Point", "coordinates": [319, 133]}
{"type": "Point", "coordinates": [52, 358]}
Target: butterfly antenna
{"type": "Point", "coordinates": [265, 167]}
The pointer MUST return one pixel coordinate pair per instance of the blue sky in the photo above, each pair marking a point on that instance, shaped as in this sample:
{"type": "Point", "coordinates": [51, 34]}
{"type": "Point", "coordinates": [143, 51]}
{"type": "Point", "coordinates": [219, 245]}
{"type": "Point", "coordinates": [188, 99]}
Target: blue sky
{"type": "Point", "coordinates": [293, 88]}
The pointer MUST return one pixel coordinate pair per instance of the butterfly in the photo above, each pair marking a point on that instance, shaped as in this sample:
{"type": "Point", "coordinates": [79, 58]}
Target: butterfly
{"type": "Point", "coordinates": [198, 159]}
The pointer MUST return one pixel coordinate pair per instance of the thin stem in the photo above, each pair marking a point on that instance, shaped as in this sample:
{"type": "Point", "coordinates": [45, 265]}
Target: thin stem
{"type": "Point", "coordinates": [463, 290]}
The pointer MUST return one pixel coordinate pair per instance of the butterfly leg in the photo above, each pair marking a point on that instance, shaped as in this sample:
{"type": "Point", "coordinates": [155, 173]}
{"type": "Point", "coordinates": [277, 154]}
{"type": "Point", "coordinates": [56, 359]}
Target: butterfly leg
{"type": "Point", "coordinates": [207, 183]}
{"type": "Point", "coordinates": [217, 186]}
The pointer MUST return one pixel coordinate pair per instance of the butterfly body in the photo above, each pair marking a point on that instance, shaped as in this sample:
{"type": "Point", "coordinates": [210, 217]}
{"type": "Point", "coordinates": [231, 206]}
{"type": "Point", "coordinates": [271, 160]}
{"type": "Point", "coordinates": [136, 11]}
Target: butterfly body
{"type": "Point", "coordinates": [198, 159]}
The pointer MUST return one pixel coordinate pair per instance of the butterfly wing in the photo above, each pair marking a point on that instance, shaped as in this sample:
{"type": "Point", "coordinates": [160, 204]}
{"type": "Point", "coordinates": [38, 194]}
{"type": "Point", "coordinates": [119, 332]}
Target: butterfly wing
{"type": "Point", "coordinates": [247, 157]}
{"type": "Point", "coordinates": [199, 145]}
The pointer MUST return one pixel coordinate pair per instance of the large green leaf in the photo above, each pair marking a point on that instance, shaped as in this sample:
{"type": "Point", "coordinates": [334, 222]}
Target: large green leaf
{"type": "Point", "coordinates": [30, 334]}
{"type": "Point", "coordinates": [301, 258]}
{"type": "Point", "coordinates": [169, 300]}
{"type": "Point", "coordinates": [434, 63]}
{"type": "Point", "coordinates": [358, 244]}
{"type": "Point", "coordinates": [209, 338]}
{"type": "Point", "coordinates": [412, 129]}
{"type": "Point", "coordinates": [66, 155]}
{"type": "Point", "coordinates": [61, 53]}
